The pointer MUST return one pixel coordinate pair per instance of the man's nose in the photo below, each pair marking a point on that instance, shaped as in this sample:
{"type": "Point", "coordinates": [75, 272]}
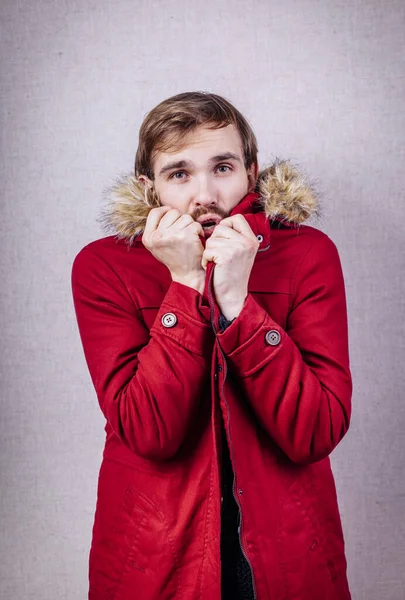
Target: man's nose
{"type": "Point", "coordinates": [205, 194]}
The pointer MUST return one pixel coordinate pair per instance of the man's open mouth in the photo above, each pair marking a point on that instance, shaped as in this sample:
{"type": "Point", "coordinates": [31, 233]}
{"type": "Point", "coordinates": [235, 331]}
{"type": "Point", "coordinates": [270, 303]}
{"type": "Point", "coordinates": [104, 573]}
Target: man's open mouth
{"type": "Point", "coordinates": [208, 224]}
{"type": "Point", "coordinates": [209, 221]}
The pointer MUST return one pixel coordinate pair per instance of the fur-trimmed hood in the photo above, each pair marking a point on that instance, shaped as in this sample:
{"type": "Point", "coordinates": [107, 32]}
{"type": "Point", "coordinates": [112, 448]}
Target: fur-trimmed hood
{"type": "Point", "coordinates": [285, 193]}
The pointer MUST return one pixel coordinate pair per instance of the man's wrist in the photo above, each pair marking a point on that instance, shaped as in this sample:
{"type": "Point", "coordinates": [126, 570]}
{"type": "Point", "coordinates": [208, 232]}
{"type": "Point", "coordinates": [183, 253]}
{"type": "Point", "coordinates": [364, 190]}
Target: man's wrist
{"type": "Point", "coordinates": [231, 309]}
{"type": "Point", "coordinates": [197, 282]}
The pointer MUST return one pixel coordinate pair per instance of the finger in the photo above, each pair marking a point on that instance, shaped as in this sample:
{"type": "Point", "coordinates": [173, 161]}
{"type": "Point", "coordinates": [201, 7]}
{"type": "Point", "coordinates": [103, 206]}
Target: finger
{"type": "Point", "coordinates": [154, 217]}
{"type": "Point", "coordinates": [204, 260]}
{"type": "Point", "coordinates": [192, 226]}
{"type": "Point", "coordinates": [238, 223]}
{"type": "Point", "coordinates": [169, 218]}
{"type": "Point", "coordinates": [225, 232]}
{"type": "Point", "coordinates": [198, 228]}
{"type": "Point", "coordinates": [210, 254]}
{"type": "Point", "coordinates": [182, 222]}
{"type": "Point", "coordinates": [178, 222]}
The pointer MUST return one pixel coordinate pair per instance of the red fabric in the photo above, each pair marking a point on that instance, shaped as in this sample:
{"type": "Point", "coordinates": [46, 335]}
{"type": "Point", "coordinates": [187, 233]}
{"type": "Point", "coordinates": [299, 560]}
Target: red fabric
{"type": "Point", "coordinates": [156, 532]}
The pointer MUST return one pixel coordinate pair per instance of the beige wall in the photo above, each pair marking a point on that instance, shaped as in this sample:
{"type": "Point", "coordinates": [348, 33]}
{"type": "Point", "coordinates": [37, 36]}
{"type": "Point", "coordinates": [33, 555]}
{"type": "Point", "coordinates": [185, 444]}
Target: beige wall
{"type": "Point", "coordinates": [323, 83]}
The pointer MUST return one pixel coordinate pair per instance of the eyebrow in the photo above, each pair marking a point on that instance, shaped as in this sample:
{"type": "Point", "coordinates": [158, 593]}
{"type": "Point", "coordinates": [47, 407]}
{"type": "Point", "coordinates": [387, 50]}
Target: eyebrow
{"type": "Point", "coordinates": [181, 164]}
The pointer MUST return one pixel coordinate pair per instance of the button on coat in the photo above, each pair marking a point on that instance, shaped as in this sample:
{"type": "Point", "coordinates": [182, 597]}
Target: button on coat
{"type": "Point", "coordinates": [169, 320]}
{"type": "Point", "coordinates": [273, 337]}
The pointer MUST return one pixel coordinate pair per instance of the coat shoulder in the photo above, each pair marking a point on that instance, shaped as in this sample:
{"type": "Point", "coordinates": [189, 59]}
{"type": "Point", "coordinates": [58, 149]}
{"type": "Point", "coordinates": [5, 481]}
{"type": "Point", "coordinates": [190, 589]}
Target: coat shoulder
{"type": "Point", "coordinates": [111, 250]}
{"type": "Point", "coordinates": [103, 246]}
{"type": "Point", "coordinates": [298, 239]}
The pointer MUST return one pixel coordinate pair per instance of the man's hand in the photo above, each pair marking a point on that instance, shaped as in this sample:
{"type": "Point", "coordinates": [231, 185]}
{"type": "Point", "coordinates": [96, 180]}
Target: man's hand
{"type": "Point", "coordinates": [232, 247]}
{"type": "Point", "coordinates": [174, 240]}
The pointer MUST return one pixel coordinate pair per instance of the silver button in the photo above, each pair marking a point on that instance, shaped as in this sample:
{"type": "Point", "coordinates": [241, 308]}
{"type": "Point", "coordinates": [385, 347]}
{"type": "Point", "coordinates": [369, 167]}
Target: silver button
{"type": "Point", "coordinates": [273, 337]}
{"type": "Point", "coordinates": [169, 320]}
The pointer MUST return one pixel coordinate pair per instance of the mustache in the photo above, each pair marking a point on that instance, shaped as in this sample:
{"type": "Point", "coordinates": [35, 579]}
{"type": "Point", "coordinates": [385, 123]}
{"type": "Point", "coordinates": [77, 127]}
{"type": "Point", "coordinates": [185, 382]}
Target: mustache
{"type": "Point", "coordinates": [215, 210]}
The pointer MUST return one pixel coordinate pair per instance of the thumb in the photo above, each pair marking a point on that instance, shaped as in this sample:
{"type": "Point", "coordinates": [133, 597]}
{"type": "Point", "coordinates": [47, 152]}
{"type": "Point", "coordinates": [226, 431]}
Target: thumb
{"type": "Point", "coordinates": [204, 263]}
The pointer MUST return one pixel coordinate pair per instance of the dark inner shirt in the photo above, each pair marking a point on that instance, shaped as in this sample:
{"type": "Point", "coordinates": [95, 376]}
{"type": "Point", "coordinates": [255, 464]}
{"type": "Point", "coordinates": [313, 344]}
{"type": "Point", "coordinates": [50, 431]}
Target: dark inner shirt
{"type": "Point", "coordinates": [235, 570]}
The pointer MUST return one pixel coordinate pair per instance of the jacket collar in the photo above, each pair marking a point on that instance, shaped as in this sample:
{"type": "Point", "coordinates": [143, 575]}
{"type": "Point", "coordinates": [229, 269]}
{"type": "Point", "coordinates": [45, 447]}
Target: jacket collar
{"type": "Point", "coordinates": [252, 209]}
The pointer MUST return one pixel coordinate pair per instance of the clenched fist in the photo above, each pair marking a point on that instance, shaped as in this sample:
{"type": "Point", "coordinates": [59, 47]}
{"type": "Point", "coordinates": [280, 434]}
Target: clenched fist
{"type": "Point", "coordinates": [173, 238]}
{"type": "Point", "coordinates": [232, 247]}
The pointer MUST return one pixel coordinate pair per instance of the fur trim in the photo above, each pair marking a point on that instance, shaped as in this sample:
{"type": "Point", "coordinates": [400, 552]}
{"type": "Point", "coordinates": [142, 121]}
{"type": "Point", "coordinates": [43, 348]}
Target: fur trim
{"type": "Point", "coordinates": [284, 192]}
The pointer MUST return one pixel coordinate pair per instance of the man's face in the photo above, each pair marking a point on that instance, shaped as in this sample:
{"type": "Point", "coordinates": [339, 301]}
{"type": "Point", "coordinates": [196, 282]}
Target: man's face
{"type": "Point", "coordinates": [207, 178]}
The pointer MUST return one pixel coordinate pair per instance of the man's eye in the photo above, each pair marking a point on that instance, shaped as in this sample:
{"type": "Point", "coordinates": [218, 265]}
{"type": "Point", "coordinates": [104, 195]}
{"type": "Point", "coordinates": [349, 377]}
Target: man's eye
{"type": "Point", "coordinates": [224, 167]}
{"type": "Point", "coordinates": [173, 175]}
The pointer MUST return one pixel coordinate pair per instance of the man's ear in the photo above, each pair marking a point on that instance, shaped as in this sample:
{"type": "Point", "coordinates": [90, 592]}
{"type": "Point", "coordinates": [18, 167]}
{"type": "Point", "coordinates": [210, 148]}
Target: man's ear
{"type": "Point", "coordinates": [252, 176]}
{"type": "Point", "coordinates": [150, 190]}
{"type": "Point", "coordinates": [145, 181]}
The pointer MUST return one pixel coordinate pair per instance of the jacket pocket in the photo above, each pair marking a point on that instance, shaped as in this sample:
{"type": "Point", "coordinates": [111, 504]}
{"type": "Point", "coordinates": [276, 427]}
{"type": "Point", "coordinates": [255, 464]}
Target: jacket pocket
{"type": "Point", "coordinates": [135, 555]}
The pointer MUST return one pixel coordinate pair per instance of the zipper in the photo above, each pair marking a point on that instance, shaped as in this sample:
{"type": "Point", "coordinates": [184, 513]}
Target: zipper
{"type": "Point", "coordinates": [240, 517]}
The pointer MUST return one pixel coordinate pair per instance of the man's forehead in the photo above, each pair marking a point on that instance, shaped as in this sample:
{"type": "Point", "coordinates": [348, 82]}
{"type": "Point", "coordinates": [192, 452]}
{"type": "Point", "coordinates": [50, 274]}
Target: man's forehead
{"type": "Point", "coordinates": [208, 144]}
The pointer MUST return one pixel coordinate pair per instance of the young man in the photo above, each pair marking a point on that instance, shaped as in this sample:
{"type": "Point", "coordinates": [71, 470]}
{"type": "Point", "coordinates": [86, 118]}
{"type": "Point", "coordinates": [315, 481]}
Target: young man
{"type": "Point", "coordinates": [214, 328]}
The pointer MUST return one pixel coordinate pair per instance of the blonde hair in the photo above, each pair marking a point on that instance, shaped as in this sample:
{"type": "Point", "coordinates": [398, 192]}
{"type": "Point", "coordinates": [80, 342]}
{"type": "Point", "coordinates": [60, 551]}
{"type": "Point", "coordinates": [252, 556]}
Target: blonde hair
{"type": "Point", "coordinates": [166, 125]}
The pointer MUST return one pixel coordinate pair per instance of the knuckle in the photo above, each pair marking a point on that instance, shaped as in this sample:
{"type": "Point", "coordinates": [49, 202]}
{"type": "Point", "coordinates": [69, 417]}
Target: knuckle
{"type": "Point", "coordinates": [188, 218]}
{"type": "Point", "coordinates": [157, 239]}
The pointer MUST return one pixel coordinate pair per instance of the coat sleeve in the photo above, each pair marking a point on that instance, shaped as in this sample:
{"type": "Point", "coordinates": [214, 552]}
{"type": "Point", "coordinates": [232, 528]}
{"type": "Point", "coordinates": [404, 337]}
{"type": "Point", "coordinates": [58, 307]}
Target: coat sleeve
{"type": "Point", "coordinates": [149, 385]}
{"type": "Point", "coordinates": [299, 388]}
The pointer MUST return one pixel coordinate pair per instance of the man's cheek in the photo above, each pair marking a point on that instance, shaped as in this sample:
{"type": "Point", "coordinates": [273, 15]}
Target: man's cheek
{"type": "Point", "coordinates": [166, 199]}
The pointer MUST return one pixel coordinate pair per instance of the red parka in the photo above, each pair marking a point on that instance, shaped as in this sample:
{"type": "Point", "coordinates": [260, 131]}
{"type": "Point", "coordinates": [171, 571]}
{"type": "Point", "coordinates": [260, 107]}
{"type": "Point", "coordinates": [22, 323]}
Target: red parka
{"type": "Point", "coordinates": [164, 373]}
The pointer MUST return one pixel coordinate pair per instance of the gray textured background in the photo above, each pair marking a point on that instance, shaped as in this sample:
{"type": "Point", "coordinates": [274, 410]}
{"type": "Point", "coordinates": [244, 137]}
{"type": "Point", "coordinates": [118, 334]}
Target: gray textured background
{"type": "Point", "coordinates": [322, 83]}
